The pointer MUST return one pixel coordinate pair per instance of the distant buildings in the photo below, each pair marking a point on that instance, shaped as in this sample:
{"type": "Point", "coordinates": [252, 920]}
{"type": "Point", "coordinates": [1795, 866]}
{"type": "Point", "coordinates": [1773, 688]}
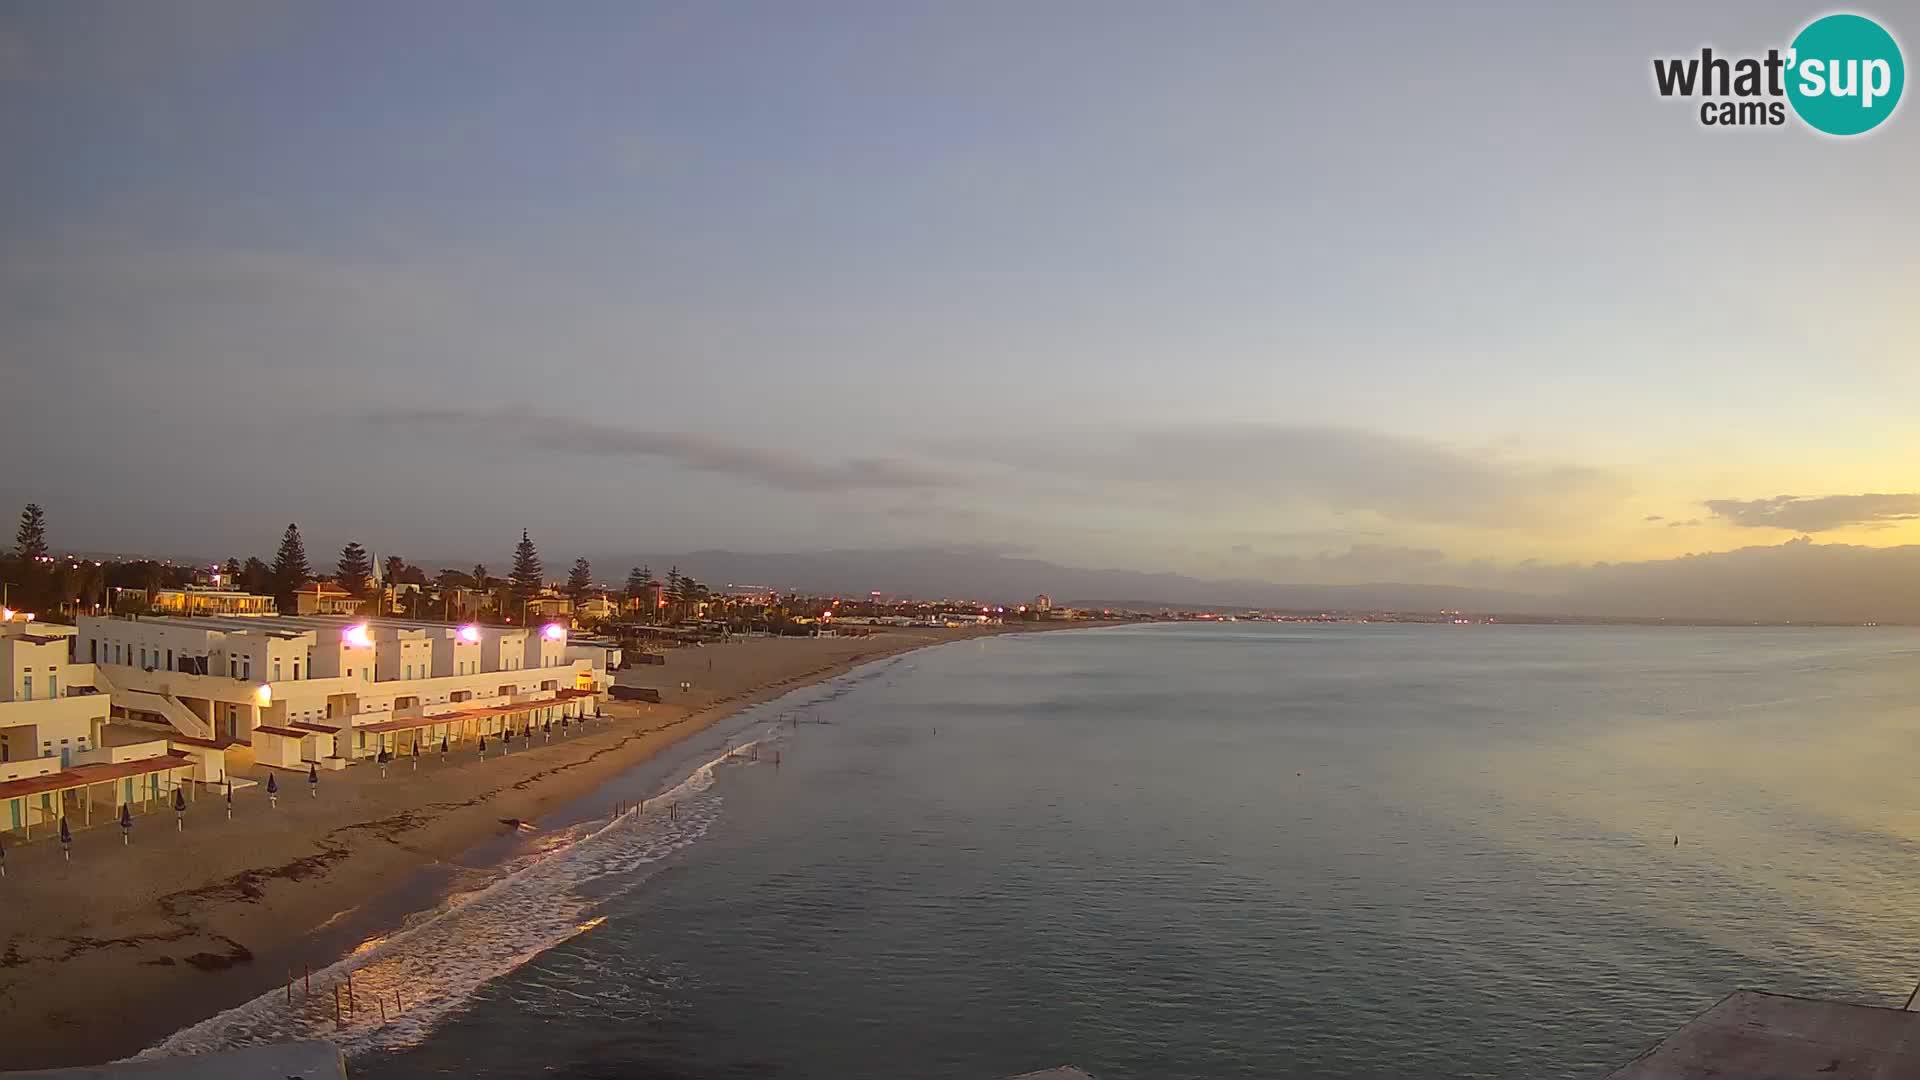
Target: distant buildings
{"type": "Point", "coordinates": [324, 598]}
{"type": "Point", "coordinates": [1043, 603]}
{"type": "Point", "coordinates": [194, 600]}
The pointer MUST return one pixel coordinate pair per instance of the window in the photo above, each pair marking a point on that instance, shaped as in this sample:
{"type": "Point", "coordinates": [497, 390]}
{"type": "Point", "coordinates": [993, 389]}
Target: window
{"type": "Point", "coordinates": [26, 682]}
{"type": "Point", "coordinates": [276, 671]}
{"type": "Point", "coordinates": [246, 667]}
{"type": "Point", "coordinates": [296, 671]}
{"type": "Point", "coordinates": [169, 659]}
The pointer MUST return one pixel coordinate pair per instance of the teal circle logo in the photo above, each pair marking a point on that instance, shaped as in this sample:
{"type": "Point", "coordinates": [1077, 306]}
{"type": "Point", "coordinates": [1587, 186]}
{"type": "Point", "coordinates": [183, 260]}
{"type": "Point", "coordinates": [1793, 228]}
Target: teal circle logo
{"type": "Point", "coordinates": [1845, 74]}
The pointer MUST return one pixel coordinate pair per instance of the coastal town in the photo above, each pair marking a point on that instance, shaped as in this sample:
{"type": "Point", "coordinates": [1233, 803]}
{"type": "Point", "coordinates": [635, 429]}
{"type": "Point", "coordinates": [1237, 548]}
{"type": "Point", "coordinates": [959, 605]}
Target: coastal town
{"type": "Point", "coordinates": [194, 680]}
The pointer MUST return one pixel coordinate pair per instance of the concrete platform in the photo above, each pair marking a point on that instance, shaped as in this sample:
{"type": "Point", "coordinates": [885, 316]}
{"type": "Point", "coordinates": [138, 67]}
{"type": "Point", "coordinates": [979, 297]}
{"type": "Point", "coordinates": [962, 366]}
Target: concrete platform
{"type": "Point", "coordinates": [313, 1060]}
{"type": "Point", "coordinates": [1754, 1036]}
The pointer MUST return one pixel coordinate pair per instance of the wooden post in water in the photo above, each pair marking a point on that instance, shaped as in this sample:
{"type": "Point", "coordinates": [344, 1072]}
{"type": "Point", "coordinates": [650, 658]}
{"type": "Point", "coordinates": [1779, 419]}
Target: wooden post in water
{"type": "Point", "coordinates": [309, 990]}
{"type": "Point", "coordinates": [336, 1003]}
{"type": "Point", "coordinates": [396, 1001]}
{"type": "Point", "coordinates": [289, 986]}
{"type": "Point", "coordinates": [349, 991]}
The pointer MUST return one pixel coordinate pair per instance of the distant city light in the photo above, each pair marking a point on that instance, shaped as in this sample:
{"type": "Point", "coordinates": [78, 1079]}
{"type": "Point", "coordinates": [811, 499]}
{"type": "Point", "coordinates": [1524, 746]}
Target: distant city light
{"type": "Point", "coordinates": [554, 631]}
{"type": "Point", "coordinates": [470, 633]}
{"type": "Point", "coordinates": [356, 635]}
{"type": "Point", "coordinates": [264, 694]}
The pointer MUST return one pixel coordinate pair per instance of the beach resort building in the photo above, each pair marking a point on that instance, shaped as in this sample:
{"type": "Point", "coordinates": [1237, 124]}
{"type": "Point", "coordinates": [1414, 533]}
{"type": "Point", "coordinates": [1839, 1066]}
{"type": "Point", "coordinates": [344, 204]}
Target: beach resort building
{"type": "Point", "coordinates": [57, 757]}
{"type": "Point", "coordinates": [314, 689]}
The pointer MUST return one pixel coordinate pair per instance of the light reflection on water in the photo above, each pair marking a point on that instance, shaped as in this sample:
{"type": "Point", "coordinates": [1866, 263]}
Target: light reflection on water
{"type": "Point", "coordinates": [1350, 851]}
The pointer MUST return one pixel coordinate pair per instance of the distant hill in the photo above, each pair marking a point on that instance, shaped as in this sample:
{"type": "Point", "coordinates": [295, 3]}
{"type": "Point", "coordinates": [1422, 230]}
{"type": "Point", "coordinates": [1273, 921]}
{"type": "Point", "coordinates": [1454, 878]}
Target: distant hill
{"type": "Point", "coordinates": [1797, 581]}
{"type": "Point", "coordinates": [933, 572]}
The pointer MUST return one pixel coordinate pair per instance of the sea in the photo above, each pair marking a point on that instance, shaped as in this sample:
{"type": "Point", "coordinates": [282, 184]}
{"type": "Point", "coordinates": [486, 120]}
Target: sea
{"type": "Point", "coordinates": [1190, 850]}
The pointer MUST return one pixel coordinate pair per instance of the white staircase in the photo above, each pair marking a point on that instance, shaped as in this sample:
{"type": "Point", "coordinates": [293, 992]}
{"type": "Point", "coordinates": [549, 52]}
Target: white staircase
{"type": "Point", "coordinates": [165, 706]}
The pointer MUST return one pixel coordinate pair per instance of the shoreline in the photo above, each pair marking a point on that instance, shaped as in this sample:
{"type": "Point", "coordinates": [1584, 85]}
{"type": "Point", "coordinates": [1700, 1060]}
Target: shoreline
{"type": "Point", "coordinates": [112, 953]}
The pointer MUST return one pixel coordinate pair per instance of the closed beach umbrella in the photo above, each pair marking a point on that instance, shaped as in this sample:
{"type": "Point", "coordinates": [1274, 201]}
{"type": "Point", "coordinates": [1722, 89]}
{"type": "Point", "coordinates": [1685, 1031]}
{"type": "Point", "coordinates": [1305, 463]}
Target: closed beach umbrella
{"type": "Point", "coordinates": [66, 839]}
{"type": "Point", "coordinates": [443, 746]}
{"type": "Point", "coordinates": [229, 798]}
{"type": "Point", "coordinates": [3, 858]}
{"type": "Point", "coordinates": [273, 790]}
{"type": "Point", "coordinates": [547, 728]}
{"type": "Point", "coordinates": [126, 823]}
{"type": "Point", "coordinates": [313, 780]}
{"type": "Point", "coordinates": [483, 746]}
{"type": "Point", "coordinates": [179, 809]}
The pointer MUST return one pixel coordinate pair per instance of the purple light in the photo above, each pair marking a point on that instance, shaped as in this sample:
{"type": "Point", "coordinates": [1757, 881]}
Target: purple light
{"type": "Point", "coordinates": [470, 633]}
{"type": "Point", "coordinates": [554, 631]}
{"type": "Point", "coordinates": [357, 636]}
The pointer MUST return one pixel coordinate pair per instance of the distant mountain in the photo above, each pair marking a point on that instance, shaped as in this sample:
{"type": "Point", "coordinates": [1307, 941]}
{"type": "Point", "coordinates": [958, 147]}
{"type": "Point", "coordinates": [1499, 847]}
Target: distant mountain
{"type": "Point", "coordinates": [932, 572]}
{"type": "Point", "coordinates": [1797, 581]}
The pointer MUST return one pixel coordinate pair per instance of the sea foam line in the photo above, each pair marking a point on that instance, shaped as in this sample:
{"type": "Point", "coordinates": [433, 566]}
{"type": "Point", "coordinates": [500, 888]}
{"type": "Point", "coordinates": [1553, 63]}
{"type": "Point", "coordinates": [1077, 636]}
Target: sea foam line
{"type": "Point", "coordinates": [438, 962]}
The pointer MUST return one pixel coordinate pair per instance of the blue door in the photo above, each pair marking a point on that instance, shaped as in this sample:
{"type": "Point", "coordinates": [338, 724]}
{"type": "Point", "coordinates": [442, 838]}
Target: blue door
{"type": "Point", "coordinates": [66, 756]}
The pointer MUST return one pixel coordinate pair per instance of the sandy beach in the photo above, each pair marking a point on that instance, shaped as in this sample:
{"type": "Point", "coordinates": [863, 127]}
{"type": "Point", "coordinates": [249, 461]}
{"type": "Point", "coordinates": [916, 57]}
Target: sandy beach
{"type": "Point", "coordinates": [105, 955]}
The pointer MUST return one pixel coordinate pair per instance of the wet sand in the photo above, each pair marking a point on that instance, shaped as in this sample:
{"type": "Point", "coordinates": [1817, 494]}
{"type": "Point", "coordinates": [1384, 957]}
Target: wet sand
{"type": "Point", "coordinates": [106, 955]}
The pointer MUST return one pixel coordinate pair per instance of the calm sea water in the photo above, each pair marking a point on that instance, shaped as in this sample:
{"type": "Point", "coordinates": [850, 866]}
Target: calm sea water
{"type": "Point", "coordinates": [1240, 850]}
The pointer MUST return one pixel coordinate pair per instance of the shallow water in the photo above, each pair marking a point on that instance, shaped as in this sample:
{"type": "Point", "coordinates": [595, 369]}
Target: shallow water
{"type": "Point", "coordinates": [1234, 850]}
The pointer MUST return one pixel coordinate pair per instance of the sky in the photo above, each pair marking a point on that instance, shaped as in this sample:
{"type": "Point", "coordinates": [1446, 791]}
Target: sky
{"type": "Point", "coordinates": [1265, 291]}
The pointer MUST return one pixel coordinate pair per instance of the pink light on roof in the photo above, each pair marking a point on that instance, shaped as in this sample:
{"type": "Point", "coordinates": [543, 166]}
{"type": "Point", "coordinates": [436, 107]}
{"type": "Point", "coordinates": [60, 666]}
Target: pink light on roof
{"type": "Point", "coordinates": [554, 631]}
{"type": "Point", "coordinates": [470, 633]}
{"type": "Point", "coordinates": [357, 636]}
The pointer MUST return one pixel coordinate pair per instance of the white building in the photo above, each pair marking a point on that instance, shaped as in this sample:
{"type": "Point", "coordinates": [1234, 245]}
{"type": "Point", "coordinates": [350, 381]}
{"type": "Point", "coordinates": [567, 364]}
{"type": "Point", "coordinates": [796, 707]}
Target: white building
{"type": "Point", "coordinates": [327, 690]}
{"type": "Point", "coordinates": [52, 761]}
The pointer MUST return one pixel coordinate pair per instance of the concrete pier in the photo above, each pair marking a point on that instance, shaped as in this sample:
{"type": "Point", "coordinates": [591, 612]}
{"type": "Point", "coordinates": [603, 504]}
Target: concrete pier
{"type": "Point", "coordinates": [312, 1060]}
{"type": "Point", "coordinates": [1758, 1036]}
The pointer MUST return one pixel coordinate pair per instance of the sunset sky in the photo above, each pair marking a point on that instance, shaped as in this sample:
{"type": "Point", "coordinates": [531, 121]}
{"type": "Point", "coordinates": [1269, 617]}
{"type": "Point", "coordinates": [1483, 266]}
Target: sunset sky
{"type": "Point", "coordinates": [1294, 292]}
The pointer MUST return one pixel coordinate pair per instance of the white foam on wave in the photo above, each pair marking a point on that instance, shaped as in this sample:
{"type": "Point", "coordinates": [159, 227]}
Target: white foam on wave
{"type": "Point", "coordinates": [438, 960]}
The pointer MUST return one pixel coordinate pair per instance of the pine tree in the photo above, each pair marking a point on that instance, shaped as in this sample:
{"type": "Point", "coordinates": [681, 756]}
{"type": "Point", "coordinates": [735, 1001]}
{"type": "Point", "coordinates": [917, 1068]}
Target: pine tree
{"type": "Point", "coordinates": [30, 542]}
{"type": "Point", "coordinates": [356, 569]}
{"type": "Point", "coordinates": [527, 576]}
{"type": "Point", "coordinates": [580, 580]}
{"type": "Point", "coordinates": [480, 576]}
{"type": "Point", "coordinates": [396, 569]}
{"type": "Point", "coordinates": [636, 583]}
{"type": "Point", "coordinates": [256, 577]}
{"type": "Point", "coordinates": [290, 569]}
{"type": "Point", "coordinates": [230, 577]}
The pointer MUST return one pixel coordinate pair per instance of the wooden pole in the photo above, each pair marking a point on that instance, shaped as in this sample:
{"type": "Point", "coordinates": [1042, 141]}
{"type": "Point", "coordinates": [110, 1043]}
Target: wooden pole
{"type": "Point", "coordinates": [349, 991]}
{"type": "Point", "coordinates": [309, 990]}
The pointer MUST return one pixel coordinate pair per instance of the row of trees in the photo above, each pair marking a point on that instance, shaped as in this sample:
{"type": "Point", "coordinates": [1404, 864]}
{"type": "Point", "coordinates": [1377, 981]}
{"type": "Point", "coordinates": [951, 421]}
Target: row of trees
{"type": "Point", "coordinates": [33, 579]}
{"type": "Point", "coordinates": [36, 581]}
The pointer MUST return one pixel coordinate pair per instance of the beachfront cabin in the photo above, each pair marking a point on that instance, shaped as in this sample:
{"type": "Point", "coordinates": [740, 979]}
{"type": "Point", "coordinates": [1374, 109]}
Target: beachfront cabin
{"type": "Point", "coordinates": [93, 785]}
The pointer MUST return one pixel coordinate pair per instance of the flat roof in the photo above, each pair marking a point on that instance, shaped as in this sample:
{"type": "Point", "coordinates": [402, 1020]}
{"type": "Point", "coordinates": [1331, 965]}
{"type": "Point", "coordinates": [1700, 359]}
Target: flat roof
{"type": "Point", "coordinates": [411, 722]}
{"type": "Point", "coordinates": [1781, 1037]}
{"type": "Point", "coordinates": [289, 733]}
{"type": "Point", "coordinates": [83, 775]}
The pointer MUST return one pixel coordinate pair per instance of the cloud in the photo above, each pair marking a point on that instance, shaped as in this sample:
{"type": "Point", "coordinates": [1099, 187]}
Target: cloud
{"type": "Point", "coordinates": [1342, 469]}
{"type": "Point", "coordinates": [778, 469]}
{"type": "Point", "coordinates": [1817, 514]}
{"type": "Point", "coordinates": [14, 62]}
{"type": "Point", "coordinates": [1687, 524]}
{"type": "Point", "coordinates": [1656, 517]}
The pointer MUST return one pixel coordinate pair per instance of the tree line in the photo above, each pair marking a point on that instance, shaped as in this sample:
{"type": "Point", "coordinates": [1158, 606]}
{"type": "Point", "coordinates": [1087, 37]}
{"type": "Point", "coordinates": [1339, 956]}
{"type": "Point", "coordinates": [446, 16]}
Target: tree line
{"type": "Point", "coordinates": [35, 580]}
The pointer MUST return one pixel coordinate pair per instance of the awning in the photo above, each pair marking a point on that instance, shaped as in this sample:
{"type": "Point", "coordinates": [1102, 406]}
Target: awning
{"type": "Point", "coordinates": [87, 775]}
